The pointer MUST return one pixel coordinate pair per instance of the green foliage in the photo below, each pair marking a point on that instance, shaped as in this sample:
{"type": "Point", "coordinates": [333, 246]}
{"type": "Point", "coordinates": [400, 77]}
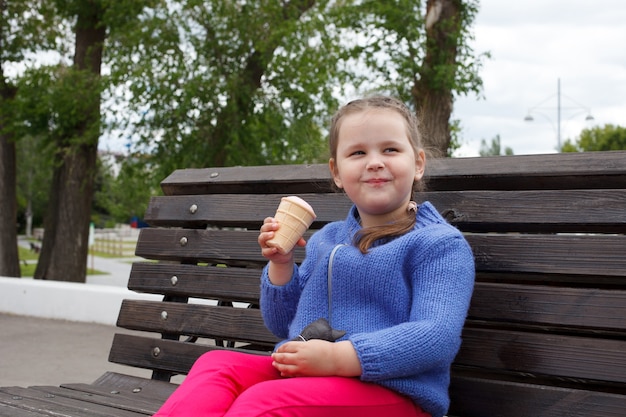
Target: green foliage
{"type": "Point", "coordinates": [607, 138]}
{"type": "Point", "coordinates": [122, 196]}
{"type": "Point", "coordinates": [229, 83]}
{"type": "Point", "coordinates": [495, 149]}
{"type": "Point", "coordinates": [52, 100]}
{"type": "Point", "coordinates": [27, 26]}
{"type": "Point", "coordinates": [236, 83]}
{"type": "Point", "coordinates": [34, 174]}
{"type": "Point", "coordinates": [455, 139]}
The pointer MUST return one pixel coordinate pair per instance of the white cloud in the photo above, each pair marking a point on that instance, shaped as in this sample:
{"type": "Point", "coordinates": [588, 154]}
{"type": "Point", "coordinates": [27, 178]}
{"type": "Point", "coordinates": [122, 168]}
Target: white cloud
{"type": "Point", "coordinates": [533, 44]}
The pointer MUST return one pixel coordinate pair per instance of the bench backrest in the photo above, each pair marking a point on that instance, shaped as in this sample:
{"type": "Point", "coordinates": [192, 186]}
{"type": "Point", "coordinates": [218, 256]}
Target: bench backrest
{"type": "Point", "coordinates": [546, 331]}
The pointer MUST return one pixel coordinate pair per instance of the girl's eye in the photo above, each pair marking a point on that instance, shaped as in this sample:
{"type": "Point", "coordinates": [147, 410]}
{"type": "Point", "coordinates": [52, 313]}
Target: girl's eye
{"type": "Point", "coordinates": [391, 150]}
{"type": "Point", "coordinates": [357, 153]}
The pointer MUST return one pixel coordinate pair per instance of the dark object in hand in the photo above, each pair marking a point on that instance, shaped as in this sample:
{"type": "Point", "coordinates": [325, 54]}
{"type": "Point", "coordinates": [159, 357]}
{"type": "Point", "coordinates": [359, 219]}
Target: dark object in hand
{"type": "Point", "coordinates": [319, 329]}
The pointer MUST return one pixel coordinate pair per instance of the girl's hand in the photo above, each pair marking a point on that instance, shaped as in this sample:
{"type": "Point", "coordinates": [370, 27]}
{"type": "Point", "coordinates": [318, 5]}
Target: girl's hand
{"type": "Point", "coordinates": [317, 358]}
{"type": "Point", "coordinates": [281, 266]}
{"type": "Point", "coordinates": [269, 227]}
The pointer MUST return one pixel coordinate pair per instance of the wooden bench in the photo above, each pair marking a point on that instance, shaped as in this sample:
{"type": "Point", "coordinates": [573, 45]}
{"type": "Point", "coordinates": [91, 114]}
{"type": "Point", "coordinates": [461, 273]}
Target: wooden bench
{"type": "Point", "coordinates": [546, 332]}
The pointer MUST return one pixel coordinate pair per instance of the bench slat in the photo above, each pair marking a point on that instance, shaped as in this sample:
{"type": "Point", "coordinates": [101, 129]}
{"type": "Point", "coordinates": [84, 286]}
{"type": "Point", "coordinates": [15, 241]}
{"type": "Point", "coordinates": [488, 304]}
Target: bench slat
{"type": "Point", "coordinates": [128, 385]}
{"type": "Point", "coordinates": [565, 254]}
{"type": "Point", "coordinates": [138, 398]}
{"type": "Point", "coordinates": [35, 400]}
{"type": "Point", "coordinates": [8, 411]}
{"type": "Point", "coordinates": [241, 324]}
{"type": "Point", "coordinates": [233, 284]}
{"type": "Point", "coordinates": [590, 211]}
{"type": "Point", "coordinates": [529, 172]}
{"type": "Point", "coordinates": [107, 399]}
{"type": "Point", "coordinates": [544, 354]}
{"type": "Point", "coordinates": [545, 305]}
{"type": "Point", "coordinates": [476, 397]}
{"type": "Point", "coordinates": [571, 210]}
{"type": "Point", "coordinates": [559, 254]}
{"type": "Point", "coordinates": [174, 356]}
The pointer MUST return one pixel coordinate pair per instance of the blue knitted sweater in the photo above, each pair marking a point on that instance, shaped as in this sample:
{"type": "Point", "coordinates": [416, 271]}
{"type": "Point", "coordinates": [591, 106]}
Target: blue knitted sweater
{"type": "Point", "coordinates": [403, 304]}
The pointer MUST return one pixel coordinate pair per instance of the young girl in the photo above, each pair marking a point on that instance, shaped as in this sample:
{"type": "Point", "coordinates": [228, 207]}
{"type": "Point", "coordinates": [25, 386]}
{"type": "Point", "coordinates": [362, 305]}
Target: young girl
{"type": "Point", "coordinates": [393, 275]}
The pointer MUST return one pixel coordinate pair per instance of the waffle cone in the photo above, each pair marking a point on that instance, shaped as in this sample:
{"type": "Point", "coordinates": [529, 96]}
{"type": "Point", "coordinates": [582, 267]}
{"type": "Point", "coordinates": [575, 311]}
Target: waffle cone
{"type": "Point", "coordinates": [294, 216]}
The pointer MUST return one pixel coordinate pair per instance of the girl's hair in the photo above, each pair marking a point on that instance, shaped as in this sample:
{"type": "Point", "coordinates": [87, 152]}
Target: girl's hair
{"type": "Point", "coordinates": [366, 237]}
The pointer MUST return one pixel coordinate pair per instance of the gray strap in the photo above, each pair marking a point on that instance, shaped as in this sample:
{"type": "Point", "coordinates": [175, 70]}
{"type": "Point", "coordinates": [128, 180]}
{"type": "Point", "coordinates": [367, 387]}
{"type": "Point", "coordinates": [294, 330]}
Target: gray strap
{"type": "Point", "coordinates": [330, 282]}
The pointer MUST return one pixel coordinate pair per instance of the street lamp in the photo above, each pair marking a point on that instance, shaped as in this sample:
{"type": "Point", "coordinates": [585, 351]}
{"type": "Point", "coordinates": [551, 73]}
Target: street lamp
{"type": "Point", "coordinates": [530, 118]}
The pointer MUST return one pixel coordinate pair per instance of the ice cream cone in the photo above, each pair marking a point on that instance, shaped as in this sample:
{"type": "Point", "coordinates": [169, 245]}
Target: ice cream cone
{"type": "Point", "coordinates": [294, 216]}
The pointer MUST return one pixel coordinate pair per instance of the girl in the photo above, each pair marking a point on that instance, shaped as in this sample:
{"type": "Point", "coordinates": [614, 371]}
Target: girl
{"type": "Point", "coordinates": [395, 276]}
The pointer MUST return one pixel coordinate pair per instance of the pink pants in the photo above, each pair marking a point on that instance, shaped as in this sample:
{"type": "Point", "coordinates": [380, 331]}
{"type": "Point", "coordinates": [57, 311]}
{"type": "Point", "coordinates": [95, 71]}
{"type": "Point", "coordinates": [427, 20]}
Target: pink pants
{"type": "Point", "coordinates": [224, 383]}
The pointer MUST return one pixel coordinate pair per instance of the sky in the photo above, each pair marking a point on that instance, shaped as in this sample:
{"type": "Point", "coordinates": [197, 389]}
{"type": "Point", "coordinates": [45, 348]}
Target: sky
{"type": "Point", "coordinates": [533, 44]}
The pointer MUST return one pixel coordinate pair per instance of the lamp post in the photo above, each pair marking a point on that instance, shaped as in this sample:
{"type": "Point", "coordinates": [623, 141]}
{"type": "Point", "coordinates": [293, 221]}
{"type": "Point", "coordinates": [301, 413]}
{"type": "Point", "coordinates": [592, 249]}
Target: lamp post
{"type": "Point", "coordinates": [559, 108]}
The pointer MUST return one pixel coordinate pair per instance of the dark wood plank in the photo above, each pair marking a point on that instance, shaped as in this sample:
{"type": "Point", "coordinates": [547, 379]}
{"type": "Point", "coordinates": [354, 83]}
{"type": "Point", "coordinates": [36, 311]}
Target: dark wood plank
{"type": "Point", "coordinates": [130, 385]}
{"type": "Point", "coordinates": [230, 247]}
{"type": "Point", "coordinates": [108, 399]}
{"type": "Point", "coordinates": [236, 210]}
{"type": "Point", "coordinates": [137, 399]}
{"type": "Point", "coordinates": [558, 254]}
{"type": "Point", "coordinates": [233, 284]}
{"type": "Point", "coordinates": [545, 211]}
{"type": "Point", "coordinates": [589, 308]}
{"type": "Point", "coordinates": [47, 404]}
{"type": "Point", "coordinates": [586, 170]}
{"type": "Point", "coordinates": [565, 254]}
{"type": "Point", "coordinates": [476, 397]}
{"type": "Point", "coordinates": [173, 356]}
{"type": "Point", "coordinates": [256, 180]}
{"type": "Point", "coordinates": [544, 354]}
{"type": "Point", "coordinates": [241, 324]}
{"type": "Point", "coordinates": [9, 411]}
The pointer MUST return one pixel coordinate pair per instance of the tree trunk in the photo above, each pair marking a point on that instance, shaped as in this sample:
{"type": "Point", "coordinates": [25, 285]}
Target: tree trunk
{"type": "Point", "coordinates": [9, 259]}
{"type": "Point", "coordinates": [432, 93]}
{"type": "Point", "coordinates": [65, 244]}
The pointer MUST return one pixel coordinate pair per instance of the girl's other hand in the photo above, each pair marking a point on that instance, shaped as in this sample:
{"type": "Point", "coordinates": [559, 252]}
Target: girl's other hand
{"type": "Point", "coordinates": [317, 358]}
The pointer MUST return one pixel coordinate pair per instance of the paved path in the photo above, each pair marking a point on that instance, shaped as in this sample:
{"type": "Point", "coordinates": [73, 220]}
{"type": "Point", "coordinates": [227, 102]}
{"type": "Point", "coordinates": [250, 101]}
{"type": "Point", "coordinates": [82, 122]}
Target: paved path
{"type": "Point", "coordinates": [36, 351]}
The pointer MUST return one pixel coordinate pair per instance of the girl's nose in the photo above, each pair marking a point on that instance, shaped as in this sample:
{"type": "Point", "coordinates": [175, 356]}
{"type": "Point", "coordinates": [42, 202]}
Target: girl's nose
{"type": "Point", "coordinates": [375, 163]}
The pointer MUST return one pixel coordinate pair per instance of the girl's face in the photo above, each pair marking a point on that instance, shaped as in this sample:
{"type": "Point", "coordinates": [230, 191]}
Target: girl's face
{"type": "Point", "coordinates": [376, 164]}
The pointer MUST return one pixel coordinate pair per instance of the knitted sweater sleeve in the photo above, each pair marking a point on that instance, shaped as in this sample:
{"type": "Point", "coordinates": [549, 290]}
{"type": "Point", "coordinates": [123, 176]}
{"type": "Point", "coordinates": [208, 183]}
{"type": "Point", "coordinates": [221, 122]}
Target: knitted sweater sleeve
{"type": "Point", "coordinates": [442, 285]}
{"type": "Point", "coordinates": [279, 303]}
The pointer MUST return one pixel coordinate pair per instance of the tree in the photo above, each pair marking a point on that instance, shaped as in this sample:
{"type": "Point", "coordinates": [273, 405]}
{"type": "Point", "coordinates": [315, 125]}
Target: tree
{"type": "Point", "coordinates": [230, 83]}
{"type": "Point", "coordinates": [495, 149]}
{"type": "Point", "coordinates": [607, 138]}
{"type": "Point", "coordinates": [423, 56]}
{"type": "Point", "coordinates": [448, 67]}
{"type": "Point", "coordinates": [233, 83]}
{"type": "Point", "coordinates": [76, 128]}
{"type": "Point", "coordinates": [23, 29]}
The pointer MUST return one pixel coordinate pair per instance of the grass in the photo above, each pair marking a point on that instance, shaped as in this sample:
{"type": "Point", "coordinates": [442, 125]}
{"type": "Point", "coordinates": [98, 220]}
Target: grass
{"type": "Point", "coordinates": [26, 254]}
{"type": "Point", "coordinates": [28, 269]}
